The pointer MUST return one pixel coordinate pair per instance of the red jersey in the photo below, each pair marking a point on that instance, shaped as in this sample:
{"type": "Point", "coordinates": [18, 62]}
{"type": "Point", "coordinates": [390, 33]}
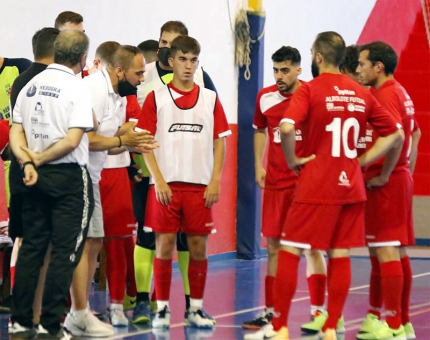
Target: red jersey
{"type": "Point", "coordinates": [184, 100]}
{"type": "Point", "coordinates": [392, 96]}
{"type": "Point", "coordinates": [269, 109]}
{"type": "Point", "coordinates": [132, 109]}
{"type": "Point", "coordinates": [331, 110]}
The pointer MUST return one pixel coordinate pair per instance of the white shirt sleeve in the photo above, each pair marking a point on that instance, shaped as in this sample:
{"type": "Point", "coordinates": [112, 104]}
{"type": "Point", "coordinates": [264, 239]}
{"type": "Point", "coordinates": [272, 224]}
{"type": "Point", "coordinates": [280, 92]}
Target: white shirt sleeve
{"type": "Point", "coordinates": [81, 115]}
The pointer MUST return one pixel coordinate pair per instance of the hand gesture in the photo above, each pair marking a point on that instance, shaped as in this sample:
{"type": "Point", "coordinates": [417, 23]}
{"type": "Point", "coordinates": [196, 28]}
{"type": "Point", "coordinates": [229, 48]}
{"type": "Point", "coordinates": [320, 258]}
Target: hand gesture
{"type": "Point", "coordinates": [299, 162]}
{"type": "Point", "coordinates": [260, 176]}
{"type": "Point", "coordinates": [35, 156]}
{"type": "Point", "coordinates": [211, 194]}
{"type": "Point", "coordinates": [376, 182]}
{"type": "Point", "coordinates": [30, 175]}
{"type": "Point", "coordinates": [163, 192]}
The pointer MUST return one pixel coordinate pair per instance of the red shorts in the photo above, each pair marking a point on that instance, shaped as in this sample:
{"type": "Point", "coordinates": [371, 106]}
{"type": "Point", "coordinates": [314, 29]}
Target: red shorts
{"type": "Point", "coordinates": [187, 212]}
{"type": "Point", "coordinates": [388, 213]}
{"type": "Point", "coordinates": [275, 207]}
{"type": "Point", "coordinates": [324, 226]}
{"type": "Point", "coordinates": [117, 206]}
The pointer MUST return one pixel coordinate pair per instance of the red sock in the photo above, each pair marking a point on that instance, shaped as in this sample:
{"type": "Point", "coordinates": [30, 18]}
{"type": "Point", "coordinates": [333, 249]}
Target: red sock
{"type": "Point", "coordinates": [316, 284]}
{"type": "Point", "coordinates": [269, 282]}
{"type": "Point", "coordinates": [162, 278]}
{"type": "Point", "coordinates": [129, 257]}
{"type": "Point", "coordinates": [115, 269]}
{"type": "Point", "coordinates": [338, 283]}
{"type": "Point", "coordinates": [153, 296]}
{"type": "Point", "coordinates": [392, 288]}
{"type": "Point", "coordinates": [407, 286]}
{"type": "Point", "coordinates": [12, 276]}
{"type": "Point", "coordinates": [375, 295]}
{"type": "Point", "coordinates": [197, 271]}
{"type": "Point", "coordinates": [284, 287]}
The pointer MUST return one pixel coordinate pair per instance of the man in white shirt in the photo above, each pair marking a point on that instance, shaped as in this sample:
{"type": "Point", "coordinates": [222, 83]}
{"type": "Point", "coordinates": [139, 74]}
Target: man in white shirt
{"type": "Point", "coordinates": [51, 116]}
{"type": "Point", "coordinates": [108, 87]}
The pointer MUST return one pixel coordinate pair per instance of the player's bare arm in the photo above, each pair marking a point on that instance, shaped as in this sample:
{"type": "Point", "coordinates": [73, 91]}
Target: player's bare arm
{"type": "Point", "coordinates": [288, 142]}
{"type": "Point", "coordinates": [162, 189]}
{"type": "Point", "coordinates": [129, 139]}
{"type": "Point", "coordinates": [59, 149]}
{"type": "Point", "coordinates": [416, 135]}
{"type": "Point", "coordinates": [17, 142]}
{"type": "Point", "coordinates": [213, 189]}
{"type": "Point", "coordinates": [259, 146]}
{"type": "Point", "coordinates": [390, 145]}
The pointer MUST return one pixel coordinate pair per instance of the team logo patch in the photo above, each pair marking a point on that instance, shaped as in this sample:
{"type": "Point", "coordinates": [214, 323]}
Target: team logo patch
{"type": "Point", "coordinates": [32, 90]}
{"type": "Point", "coordinates": [186, 128]}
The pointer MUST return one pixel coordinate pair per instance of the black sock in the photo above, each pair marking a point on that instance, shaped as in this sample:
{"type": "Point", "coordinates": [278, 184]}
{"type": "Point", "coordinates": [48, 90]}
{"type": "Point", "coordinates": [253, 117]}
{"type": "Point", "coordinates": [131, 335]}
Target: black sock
{"type": "Point", "coordinates": [142, 297]}
{"type": "Point", "coordinates": [187, 302]}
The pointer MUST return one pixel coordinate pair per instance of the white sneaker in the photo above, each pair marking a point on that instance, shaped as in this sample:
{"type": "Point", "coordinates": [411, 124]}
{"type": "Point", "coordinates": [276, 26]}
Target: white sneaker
{"type": "Point", "coordinates": [89, 326]}
{"type": "Point", "coordinates": [117, 317]}
{"type": "Point", "coordinates": [161, 319]}
{"type": "Point", "coordinates": [198, 319]}
{"type": "Point", "coordinates": [21, 332]}
{"type": "Point", "coordinates": [43, 333]}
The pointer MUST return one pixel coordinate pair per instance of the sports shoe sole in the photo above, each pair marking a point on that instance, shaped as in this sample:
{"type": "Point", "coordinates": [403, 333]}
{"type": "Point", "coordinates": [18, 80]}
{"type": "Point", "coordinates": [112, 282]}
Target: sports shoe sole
{"type": "Point", "coordinates": [141, 319]}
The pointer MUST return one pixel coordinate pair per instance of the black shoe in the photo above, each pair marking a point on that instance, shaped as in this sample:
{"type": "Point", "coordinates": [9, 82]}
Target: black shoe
{"type": "Point", "coordinates": [5, 305]}
{"type": "Point", "coordinates": [260, 320]}
{"type": "Point", "coordinates": [19, 332]}
{"type": "Point", "coordinates": [43, 333]}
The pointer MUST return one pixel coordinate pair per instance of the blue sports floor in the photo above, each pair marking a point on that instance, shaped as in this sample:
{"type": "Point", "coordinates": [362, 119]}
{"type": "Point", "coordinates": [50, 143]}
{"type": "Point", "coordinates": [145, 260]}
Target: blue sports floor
{"type": "Point", "coordinates": [235, 293]}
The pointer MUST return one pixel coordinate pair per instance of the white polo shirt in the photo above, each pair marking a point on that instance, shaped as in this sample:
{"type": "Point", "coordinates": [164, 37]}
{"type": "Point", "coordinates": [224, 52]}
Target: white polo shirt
{"type": "Point", "coordinates": [49, 105]}
{"type": "Point", "coordinates": [109, 109]}
{"type": "Point", "coordinates": [121, 160]}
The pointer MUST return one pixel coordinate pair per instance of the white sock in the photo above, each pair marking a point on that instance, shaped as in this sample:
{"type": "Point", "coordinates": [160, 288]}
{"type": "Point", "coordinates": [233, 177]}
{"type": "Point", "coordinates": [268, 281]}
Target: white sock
{"type": "Point", "coordinates": [314, 309]}
{"type": "Point", "coordinates": [79, 314]}
{"type": "Point", "coordinates": [196, 304]}
{"type": "Point", "coordinates": [270, 309]}
{"type": "Point", "coordinates": [116, 306]}
{"type": "Point", "coordinates": [161, 304]}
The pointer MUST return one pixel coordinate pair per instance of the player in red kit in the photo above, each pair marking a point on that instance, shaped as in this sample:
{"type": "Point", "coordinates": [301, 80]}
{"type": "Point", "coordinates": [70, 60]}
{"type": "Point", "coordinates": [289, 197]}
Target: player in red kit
{"type": "Point", "coordinates": [190, 125]}
{"type": "Point", "coordinates": [327, 212]}
{"type": "Point", "coordinates": [388, 221]}
{"type": "Point", "coordinates": [279, 181]}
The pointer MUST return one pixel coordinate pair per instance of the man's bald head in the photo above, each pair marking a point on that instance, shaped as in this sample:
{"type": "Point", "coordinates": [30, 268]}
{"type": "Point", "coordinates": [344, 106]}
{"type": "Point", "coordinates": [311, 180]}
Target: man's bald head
{"type": "Point", "coordinates": [69, 47]}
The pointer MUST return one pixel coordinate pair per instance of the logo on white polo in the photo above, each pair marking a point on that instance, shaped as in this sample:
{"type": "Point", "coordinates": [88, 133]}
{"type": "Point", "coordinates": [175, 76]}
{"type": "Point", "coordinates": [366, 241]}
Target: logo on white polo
{"type": "Point", "coordinates": [39, 135]}
{"type": "Point", "coordinates": [32, 90]}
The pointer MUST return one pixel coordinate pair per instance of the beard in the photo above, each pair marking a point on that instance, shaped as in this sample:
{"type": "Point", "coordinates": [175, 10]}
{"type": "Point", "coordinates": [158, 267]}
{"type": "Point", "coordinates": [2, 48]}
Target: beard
{"type": "Point", "coordinates": [314, 69]}
{"type": "Point", "coordinates": [283, 87]}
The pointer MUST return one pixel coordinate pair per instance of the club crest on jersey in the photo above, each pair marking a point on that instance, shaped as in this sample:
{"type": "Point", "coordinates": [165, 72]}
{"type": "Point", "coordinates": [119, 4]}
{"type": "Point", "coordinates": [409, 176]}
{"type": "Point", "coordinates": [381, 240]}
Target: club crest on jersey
{"type": "Point", "coordinates": [186, 128]}
{"type": "Point", "coordinates": [343, 179]}
{"type": "Point", "coordinates": [32, 90]}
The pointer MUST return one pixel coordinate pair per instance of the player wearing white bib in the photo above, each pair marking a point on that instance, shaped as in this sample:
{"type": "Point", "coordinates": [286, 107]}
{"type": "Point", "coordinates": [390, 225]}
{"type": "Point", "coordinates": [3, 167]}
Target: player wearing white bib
{"type": "Point", "coordinates": [157, 74]}
{"type": "Point", "coordinates": [190, 124]}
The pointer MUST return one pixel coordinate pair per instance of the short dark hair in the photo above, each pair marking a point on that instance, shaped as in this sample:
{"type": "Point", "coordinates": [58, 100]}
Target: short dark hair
{"type": "Point", "coordinates": [148, 46]}
{"type": "Point", "coordinates": [185, 44]}
{"type": "Point", "coordinates": [70, 46]}
{"type": "Point", "coordinates": [287, 53]}
{"type": "Point", "coordinates": [174, 26]}
{"type": "Point", "coordinates": [382, 52]}
{"type": "Point", "coordinates": [124, 55]}
{"type": "Point", "coordinates": [331, 46]}
{"type": "Point", "coordinates": [68, 16]}
{"type": "Point", "coordinates": [43, 42]}
{"type": "Point", "coordinates": [350, 62]}
{"type": "Point", "coordinates": [106, 50]}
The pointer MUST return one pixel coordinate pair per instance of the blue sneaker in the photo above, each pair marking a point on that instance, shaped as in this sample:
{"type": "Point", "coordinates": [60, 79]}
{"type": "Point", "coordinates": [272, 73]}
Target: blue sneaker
{"type": "Point", "coordinates": [142, 313]}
